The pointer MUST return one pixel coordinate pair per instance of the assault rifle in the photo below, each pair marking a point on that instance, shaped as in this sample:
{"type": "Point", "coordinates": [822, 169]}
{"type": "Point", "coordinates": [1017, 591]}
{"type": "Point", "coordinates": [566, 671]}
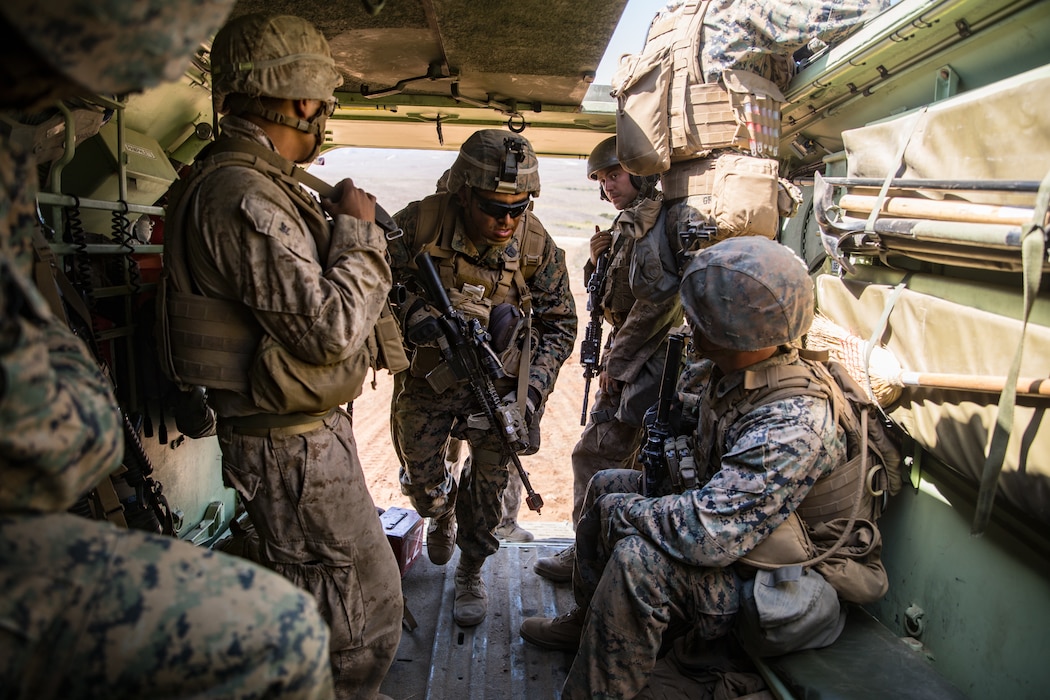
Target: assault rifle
{"type": "Point", "coordinates": [659, 442]}
{"type": "Point", "coordinates": [464, 345]}
{"type": "Point", "coordinates": [591, 347]}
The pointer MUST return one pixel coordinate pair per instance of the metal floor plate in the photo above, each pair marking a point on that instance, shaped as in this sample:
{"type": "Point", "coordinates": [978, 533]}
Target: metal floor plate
{"type": "Point", "coordinates": [440, 660]}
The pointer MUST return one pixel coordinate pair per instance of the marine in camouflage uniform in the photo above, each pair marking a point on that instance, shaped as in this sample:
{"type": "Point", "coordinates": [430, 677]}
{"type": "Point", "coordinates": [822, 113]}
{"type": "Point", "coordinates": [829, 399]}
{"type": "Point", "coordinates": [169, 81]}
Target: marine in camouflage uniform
{"type": "Point", "coordinates": [633, 357]}
{"type": "Point", "coordinates": [310, 290]}
{"type": "Point", "coordinates": [89, 610]}
{"type": "Point", "coordinates": [648, 564]}
{"type": "Point", "coordinates": [480, 231]}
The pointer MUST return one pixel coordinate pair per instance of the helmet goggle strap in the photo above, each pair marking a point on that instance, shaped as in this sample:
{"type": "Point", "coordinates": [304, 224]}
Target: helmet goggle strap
{"type": "Point", "coordinates": [508, 167]}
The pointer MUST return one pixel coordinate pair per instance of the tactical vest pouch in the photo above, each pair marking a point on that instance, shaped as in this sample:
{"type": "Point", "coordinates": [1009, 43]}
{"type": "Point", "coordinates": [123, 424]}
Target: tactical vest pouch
{"type": "Point", "coordinates": [640, 86]}
{"type": "Point", "coordinates": [202, 341]}
{"type": "Point", "coordinates": [390, 348]}
{"type": "Point", "coordinates": [282, 383]}
{"type": "Point", "coordinates": [471, 306]}
{"type": "Point", "coordinates": [788, 544]}
{"type": "Point", "coordinates": [745, 196]}
{"type": "Point", "coordinates": [855, 570]}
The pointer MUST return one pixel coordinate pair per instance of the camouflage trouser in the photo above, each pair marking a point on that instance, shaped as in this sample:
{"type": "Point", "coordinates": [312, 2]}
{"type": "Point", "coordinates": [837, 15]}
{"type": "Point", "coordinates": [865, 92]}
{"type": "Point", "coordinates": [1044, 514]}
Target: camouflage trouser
{"type": "Point", "coordinates": [308, 500]}
{"type": "Point", "coordinates": [89, 610]}
{"type": "Point", "coordinates": [614, 430]}
{"type": "Point", "coordinates": [634, 592]}
{"type": "Point", "coordinates": [457, 457]}
{"type": "Point", "coordinates": [422, 422]}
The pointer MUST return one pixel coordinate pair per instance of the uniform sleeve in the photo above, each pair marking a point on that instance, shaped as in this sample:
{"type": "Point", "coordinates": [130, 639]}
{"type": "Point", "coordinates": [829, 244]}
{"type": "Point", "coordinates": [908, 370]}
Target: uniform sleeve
{"type": "Point", "coordinates": [640, 335]}
{"type": "Point", "coordinates": [321, 310]}
{"type": "Point", "coordinates": [776, 453]}
{"type": "Point", "coordinates": [61, 427]}
{"type": "Point", "coordinates": [554, 317]}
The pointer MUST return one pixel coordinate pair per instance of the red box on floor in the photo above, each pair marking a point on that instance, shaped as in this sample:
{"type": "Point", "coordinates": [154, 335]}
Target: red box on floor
{"type": "Point", "coordinates": [404, 531]}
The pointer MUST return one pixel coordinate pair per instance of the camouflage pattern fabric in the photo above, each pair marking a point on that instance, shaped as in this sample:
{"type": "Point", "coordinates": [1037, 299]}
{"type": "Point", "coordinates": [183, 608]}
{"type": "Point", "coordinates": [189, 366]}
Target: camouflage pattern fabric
{"type": "Point", "coordinates": [308, 499]}
{"type": "Point", "coordinates": [88, 610]}
{"type": "Point", "coordinates": [128, 614]}
{"type": "Point", "coordinates": [305, 493]}
{"type": "Point", "coordinates": [422, 420]}
{"type": "Point", "coordinates": [318, 296]}
{"type": "Point", "coordinates": [633, 358]}
{"type": "Point", "coordinates": [154, 39]}
{"type": "Point", "coordinates": [61, 429]}
{"type": "Point", "coordinates": [93, 611]}
{"type": "Point", "coordinates": [761, 35]}
{"type": "Point", "coordinates": [643, 564]}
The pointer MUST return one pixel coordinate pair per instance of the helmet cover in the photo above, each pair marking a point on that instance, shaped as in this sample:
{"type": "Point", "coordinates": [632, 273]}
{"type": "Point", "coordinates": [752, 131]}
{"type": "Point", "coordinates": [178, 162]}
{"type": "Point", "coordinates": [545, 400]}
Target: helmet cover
{"type": "Point", "coordinates": [280, 56]}
{"type": "Point", "coordinates": [748, 293]}
{"type": "Point", "coordinates": [496, 161]}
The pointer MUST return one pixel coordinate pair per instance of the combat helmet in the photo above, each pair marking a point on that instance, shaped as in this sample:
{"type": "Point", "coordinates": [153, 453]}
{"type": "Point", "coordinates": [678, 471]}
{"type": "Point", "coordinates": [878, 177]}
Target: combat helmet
{"type": "Point", "coordinates": [118, 47]}
{"type": "Point", "coordinates": [604, 156]}
{"type": "Point", "coordinates": [496, 161]}
{"type": "Point", "coordinates": [280, 56]}
{"type": "Point", "coordinates": [748, 293]}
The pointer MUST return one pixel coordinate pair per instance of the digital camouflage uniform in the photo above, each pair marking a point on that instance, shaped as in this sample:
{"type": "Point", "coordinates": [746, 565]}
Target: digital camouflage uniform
{"type": "Point", "coordinates": [634, 357]}
{"type": "Point", "coordinates": [650, 565]}
{"type": "Point", "coordinates": [758, 36]}
{"type": "Point", "coordinates": [423, 419]}
{"type": "Point", "coordinates": [304, 491]}
{"type": "Point", "coordinates": [761, 35]}
{"type": "Point", "coordinates": [89, 610]}
{"type": "Point", "coordinates": [644, 564]}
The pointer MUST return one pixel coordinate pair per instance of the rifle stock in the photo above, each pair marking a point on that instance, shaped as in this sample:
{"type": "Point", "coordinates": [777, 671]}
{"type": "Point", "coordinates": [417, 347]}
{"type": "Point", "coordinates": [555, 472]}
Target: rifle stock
{"type": "Point", "coordinates": [465, 347]}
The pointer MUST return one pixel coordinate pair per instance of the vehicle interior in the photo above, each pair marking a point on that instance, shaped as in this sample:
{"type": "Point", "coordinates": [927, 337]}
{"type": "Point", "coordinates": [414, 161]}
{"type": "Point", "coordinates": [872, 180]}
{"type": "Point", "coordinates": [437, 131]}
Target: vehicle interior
{"type": "Point", "coordinates": [921, 144]}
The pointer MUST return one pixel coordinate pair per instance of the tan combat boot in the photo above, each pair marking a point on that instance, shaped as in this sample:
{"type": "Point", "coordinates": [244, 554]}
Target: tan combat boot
{"type": "Point", "coordinates": [512, 532]}
{"type": "Point", "coordinates": [560, 633]}
{"type": "Point", "coordinates": [471, 602]}
{"type": "Point", "coordinates": [559, 567]}
{"type": "Point", "coordinates": [441, 538]}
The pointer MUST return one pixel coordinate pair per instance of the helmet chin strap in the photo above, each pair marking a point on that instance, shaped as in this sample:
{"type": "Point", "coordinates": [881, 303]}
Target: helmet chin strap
{"type": "Point", "coordinates": [314, 125]}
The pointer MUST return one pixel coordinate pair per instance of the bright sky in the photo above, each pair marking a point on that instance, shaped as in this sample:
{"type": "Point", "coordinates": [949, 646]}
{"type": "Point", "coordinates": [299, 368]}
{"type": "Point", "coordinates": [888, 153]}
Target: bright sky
{"type": "Point", "coordinates": [629, 35]}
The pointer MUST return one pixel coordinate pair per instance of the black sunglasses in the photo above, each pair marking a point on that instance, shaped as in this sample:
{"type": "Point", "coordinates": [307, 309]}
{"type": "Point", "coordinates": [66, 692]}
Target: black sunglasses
{"type": "Point", "coordinates": [497, 210]}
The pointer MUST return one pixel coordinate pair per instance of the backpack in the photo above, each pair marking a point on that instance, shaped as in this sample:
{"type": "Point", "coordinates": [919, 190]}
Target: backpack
{"type": "Point", "coordinates": [666, 111]}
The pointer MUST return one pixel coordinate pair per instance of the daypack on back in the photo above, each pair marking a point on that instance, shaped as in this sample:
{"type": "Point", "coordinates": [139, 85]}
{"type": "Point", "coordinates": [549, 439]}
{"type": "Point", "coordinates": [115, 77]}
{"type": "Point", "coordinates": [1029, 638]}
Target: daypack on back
{"type": "Point", "coordinates": [667, 112]}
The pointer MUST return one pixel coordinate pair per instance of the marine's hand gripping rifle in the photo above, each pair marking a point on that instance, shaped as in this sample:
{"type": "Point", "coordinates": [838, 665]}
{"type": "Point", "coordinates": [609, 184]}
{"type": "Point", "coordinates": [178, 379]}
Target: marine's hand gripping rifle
{"type": "Point", "coordinates": [591, 347]}
{"type": "Point", "coordinates": [465, 347]}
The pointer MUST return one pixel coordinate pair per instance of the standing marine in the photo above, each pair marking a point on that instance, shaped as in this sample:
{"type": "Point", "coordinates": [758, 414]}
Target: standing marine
{"type": "Point", "coordinates": [498, 265]}
{"type": "Point", "coordinates": [632, 361]}
{"type": "Point", "coordinates": [271, 299]}
{"type": "Point", "coordinates": [88, 609]}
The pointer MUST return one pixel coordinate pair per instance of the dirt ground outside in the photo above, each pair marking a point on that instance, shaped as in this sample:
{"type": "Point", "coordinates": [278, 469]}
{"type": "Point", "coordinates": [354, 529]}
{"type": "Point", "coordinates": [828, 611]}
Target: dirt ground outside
{"type": "Point", "coordinates": [550, 470]}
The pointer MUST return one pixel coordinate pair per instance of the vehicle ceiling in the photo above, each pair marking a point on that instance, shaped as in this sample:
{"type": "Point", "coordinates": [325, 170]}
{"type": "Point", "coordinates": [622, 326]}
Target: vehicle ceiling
{"type": "Point", "coordinates": [428, 73]}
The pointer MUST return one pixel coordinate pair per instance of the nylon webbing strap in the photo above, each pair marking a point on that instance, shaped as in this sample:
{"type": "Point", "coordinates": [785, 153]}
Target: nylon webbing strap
{"type": "Point", "coordinates": [1033, 247]}
{"type": "Point", "coordinates": [875, 339]}
{"type": "Point", "coordinates": [287, 167]}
